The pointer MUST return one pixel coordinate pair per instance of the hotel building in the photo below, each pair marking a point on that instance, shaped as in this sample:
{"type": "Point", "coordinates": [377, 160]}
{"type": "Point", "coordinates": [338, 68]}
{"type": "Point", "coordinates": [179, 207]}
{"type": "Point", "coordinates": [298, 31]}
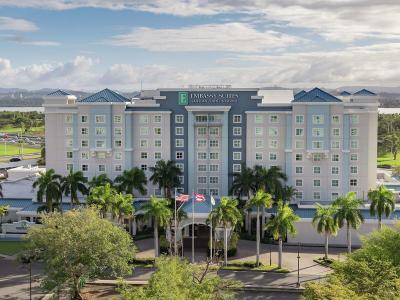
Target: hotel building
{"type": "Point", "coordinates": [325, 143]}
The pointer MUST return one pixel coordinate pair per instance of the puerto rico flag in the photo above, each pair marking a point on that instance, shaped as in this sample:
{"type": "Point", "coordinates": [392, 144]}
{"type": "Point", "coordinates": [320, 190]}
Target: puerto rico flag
{"type": "Point", "coordinates": [199, 197]}
{"type": "Point", "coordinates": [181, 197]}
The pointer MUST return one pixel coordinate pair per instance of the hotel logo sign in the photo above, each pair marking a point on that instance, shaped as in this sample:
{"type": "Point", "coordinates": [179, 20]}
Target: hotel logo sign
{"type": "Point", "coordinates": [183, 98]}
{"type": "Point", "coordinates": [207, 98]}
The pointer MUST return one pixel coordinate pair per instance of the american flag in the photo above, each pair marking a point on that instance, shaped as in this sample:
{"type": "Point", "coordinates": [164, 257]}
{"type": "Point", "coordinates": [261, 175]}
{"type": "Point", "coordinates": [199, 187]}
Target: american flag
{"type": "Point", "coordinates": [199, 197]}
{"type": "Point", "coordinates": [181, 197]}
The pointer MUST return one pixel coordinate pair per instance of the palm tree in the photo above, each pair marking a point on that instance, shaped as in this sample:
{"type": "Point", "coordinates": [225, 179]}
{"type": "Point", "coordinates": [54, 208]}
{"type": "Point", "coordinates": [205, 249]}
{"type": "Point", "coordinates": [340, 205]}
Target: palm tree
{"type": "Point", "coordinates": [288, 193]}
{"type": "Point", "coordinates": [73, 183]}
{"type": "Point", "coordinates": [226, 214]}
{"type": "Point", "coordinates": [49, 187]}
{"type": "Point", "coordinates": [260, 200]}
{"type": "Point", "coordinates": [158, 210]}
{"type": "Point", "coordinates": [347, 211]}
{"type": "Point", "coordinates": [166, 176]}
{"type": "Point", "coordinates": [281, 225]}
{"type": "Point", "coordinates": [382, 202]}
{"type": "Point", "coordinates": [121, 205]}
{"type": "Point", "coordinates": [325, 223]}
{"type": "Point", "coordinates": [100, 180]}
{"type": "Point", "coordinates": [243, 183]}
{"type": "Point", "coordinates": [102, 197]}
{"type": "Point", "coordinates": [3, 212]}
{"type": "Point", "coordinates": [130, 180]}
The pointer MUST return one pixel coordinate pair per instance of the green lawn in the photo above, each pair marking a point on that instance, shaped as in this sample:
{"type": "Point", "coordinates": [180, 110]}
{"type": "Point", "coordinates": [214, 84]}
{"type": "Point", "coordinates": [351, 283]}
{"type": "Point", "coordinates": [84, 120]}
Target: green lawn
{"type": "Point", "coordinates": [11, 247]}
{"type": "Point", "coordinates": [13, 149]}
{"type": "Point", "coordinates": [34, 130]}
{"type": "Point", "coordinates": [387, 159]}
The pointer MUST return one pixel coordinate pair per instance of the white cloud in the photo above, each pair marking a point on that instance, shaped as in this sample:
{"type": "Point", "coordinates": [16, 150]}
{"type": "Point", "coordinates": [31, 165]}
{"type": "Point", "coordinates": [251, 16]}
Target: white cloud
{"type": "Point", "coordinates": [11, 24]}
{"type": "Point", "coordinates": [233, 37]}
{"type": "Point", "coordinates": [26, 41]}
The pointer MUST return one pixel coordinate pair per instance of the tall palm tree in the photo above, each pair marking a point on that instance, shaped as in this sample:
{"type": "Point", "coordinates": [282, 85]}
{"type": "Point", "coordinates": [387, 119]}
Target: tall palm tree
{"type": "Point", "coordinates": [73, 183]}
{"type": "Point", "coordinates": [260, 200]}
{"type": "Point", "coordinates": [382, 202]}
{"type": "Point", "coordinates": [226, 214]}
{"type": "Point", "coordinates": [130, 180]}
{"type": "Point", "coordinates": [49, 187]}
{"type": "Point", "coordinates": [121, 205]}
{"type": "Point", "coordinates": [166, 176]}
{"type": "Point", "coordinates": [243, 183]}
{"type": "Point", "coordinates": [281, 225]}
{"type": "Point", "coordinates": [102, 197]}
{"type": "Point", "coordinates": [158, 210]}
{"type": "Point", "coordinates": [325, 223]}
{"type": "Point", "coordinates": [100, 180]}
{"type": "Point", "coordinates": [347, 211]}
{"type": "Point", "coordinates": [288, 193]}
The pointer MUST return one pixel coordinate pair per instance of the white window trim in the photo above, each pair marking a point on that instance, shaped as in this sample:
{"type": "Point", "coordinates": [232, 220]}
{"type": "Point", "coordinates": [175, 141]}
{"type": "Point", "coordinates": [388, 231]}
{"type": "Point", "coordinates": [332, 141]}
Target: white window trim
{"type": "Point", "coordinates": [302, 169]}
{"type": "Point", "coordinates": [177, 117]}
{"type": "Point", "coordinates": [313, 170]}
{"type": "Point", "coordinates": [180, 140]}
{"type": "Point", "coordinates": [302, 131]}
{"type": "Point", "coordinates": [95, 119]}
{"type": "Point", "coordinates": [237, 128]}
{"type": "Point", "coordinates": [338, 168]}
{"type": "Point", "coordinates": [120, 116]}
{"type": "Point", "coordinates": [176, 131]}
{"type": "Point", "coordinates": [237, 153]}
{"type": "Point", "coordinates": [176, 155]}
{"type": "Point", "coordinates": [276, 156]}
{"type": "Point", "coordinates": [295, 119]}
{"type": "Point", "coordinates": [351, 166]}
{"type": "Point", "coordinates": [233, 119]}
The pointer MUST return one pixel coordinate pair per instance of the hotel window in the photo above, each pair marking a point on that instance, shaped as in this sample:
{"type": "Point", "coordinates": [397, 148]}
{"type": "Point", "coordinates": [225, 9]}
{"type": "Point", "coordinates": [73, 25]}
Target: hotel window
{"type": "Point", "coordinates": [335, 157]}
{"type": "Point", "coordinates": [214, 143]}
{"type": "Point", "coordinates": [68, 130]}
{"type": "Point", "coordinates": [101, 155]}
{"type": "Point", "coordinates": [214, 168]}
{"type": "Point", "coordinates": [118, 143]}
{"type": "Point", "coordinates": [353, 182]}
{"type": "Point", "coordinates": [335, 119]}
{"type": "Point", "coordinates": [318, 119]}
{"type": "Point", "coordinates": [259, 156]}
{"type": "Point", "coordinates": [100, 131]}
{"type": "Point", "coordinates": [259, 144]}
{"type": "Point", "coordinates": [157, 131]}
{"type": "Point", "coordinates": [179, 119]}
{"type": "Point", "coordinates": [317, 183]}
{"type": "Point", "coordinates": [335, 170]}
{"type": "Point", "coordinates": [273, 119]}
{"type": "Point", "coordinates": [214, 155]}
{"type": "Point", "coordinates": [143, 119]}
{"type": "Point", "coordinates": [100, 119]}
{"type": "Point", "coordinates": [201, 131]}
{"type": "Point", "coordinates": [237, 168]}
{"type": "Point", "coordinates": [237, 130]}
{"type": "Point", "coordinates": [299, 144]}
{"type": "Point", "coordinates": [299, 182]}
{"type": "Point", "coordinates": [316, 170]}
{"type": "Point", "coordinates": [299, 119]}
{"type": "Point", "coordinates": [353, 157]}
{"type": "Point", "coordinates": [258, 131]}
{"type": "Point", "coordinates": [237, 118]}
{"type": "Point", "coordinates": [354, 131]}
{"type": "Point", "coordinates": [354, 119]}
{"type": "Point", "coordinates": [202, 179]}
{"type": "Point", "coordinates": [84, 131]}
{"type": "Point", "coordinates": [157, 119]}
{"type": "Point", "coordinates": [117, 119]}
{"type": "Point", "coordinates": [299, 195]}
{"type": "Point", "coordinates": [100, 143]}
{"type": "Point", "coordinates": [84, 155]}
{"type": "Point", "coordinates": [84, 119]}
{"type": "Point", "coordinates": [118, 155]}
{"type": "Point", "coordinates": [317, 196]}
{"type": "Point", "coordinates": [214, 179]}
{"type": "Point", "coordinates": [179, 130]}
{"type": "Point", "coordinates": [157, 143]}
{"type": "Point", "coordinates": [157, 155]}
{"type": "Point", "coordinates": [143, 167]}
{"type": "Point", "coordinates": [144, 130]}
{"type": "Point", "coordinates": [353, 169]}
{"type": "Point", "coordinates": [117, 168]}
{"type": "Point", "coordinates": [180, 166]}
{"type": "Point", "coordinates": [299, 157]}
{"type": "Point", "coordinates": [143, 143]}
{"type": "Point", "coordinates": [85, 168]}
{"type": "Point", "coordinates": [237, 143]}
{"type": "Point", "coordinates": [201, 118]}
{"type": "Point", "coordinates": [273, 131]}
{"type": "Point", "coordinates": [143, 155]}
{"type": "Point", "coordinates": [317, 132]}
{"type": "Point", "coordinates": [258, 118]}
{"type": "Point", "coordinates": [299, 170]}
{"type": "Point", "coordinates": [118, 131]}
{"type": "Point", "coordinates": [179, 143]}
{"type": "Point", "coordinates": [68, 119]}
{"type": "Point", "coordinates": [201, 168]}
{"type": "Point", "coordinates": [181, 179]}
{"type": "Point", "coordinates": [317, 156]}
{"type": "Point", "coordinates": [101, 168]}
{"type": "Point", "coordinates": [317, 144]}
{"type": "Point", "coordinates": [214, 192]}
{"type": "Point", "coordinates": [273, 156]}
{"type": "Point", "coordinates": [214, 131]}
{"type": "Point", "coordinates": [237, 155]}
{"type": "Point", "coordinates": [201, 155]}
{"type": "Point", "coordinates": [299, 132]}
{"type": "Point", "coordinates": [335, 144]}
{"type": "Point", "coordinates": [201, 143]}
{"type": "Point", "coordinates": [84, 143]}
{"type": "Point", "coordinates": [179, 155]}
{"type": "Point", "coordinates": [335, 132]}
{"type": "Point", "coordinates": [334, 196]}
{"type": "Point", "coordinates": [70, 167]}
{"type": "Point", "coordinates": [69, 154]}
{"type": "Point", "coordinates": [273, 144]}
{"type": "Point", "coordinates": [354, 144]}
{"type": "Point", "coordinates": [335, 183]}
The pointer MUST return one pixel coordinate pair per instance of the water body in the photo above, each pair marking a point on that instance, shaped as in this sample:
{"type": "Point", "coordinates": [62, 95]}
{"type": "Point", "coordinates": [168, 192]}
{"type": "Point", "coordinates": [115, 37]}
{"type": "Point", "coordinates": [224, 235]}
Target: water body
{"type": "Point", "coordinates": [22, 108]}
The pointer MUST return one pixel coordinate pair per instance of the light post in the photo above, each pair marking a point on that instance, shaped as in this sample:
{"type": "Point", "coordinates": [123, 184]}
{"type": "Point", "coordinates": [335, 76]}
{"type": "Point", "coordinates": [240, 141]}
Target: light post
{"type": "Point", "coordinates": [298, 266]}
{"type": "Point", "coordinates": [270, 254]}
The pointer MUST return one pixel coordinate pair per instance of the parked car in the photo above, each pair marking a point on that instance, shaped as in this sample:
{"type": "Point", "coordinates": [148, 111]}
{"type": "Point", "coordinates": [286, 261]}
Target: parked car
{"type": "Point", "coordinates": [15, 159]}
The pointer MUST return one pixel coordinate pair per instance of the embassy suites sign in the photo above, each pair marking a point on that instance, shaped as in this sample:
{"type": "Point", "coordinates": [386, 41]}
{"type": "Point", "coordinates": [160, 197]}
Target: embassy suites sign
{"type": "Point", "coordinates": [184, 98]}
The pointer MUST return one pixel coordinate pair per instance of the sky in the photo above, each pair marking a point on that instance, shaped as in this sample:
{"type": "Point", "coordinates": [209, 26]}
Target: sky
{"type": "Point", "coordinates": [126, 44]}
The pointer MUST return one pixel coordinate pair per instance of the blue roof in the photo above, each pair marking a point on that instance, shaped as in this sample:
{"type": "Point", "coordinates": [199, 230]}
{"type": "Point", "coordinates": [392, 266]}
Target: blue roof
{"type": "Point", "coordinates": [58, 93]}
{"type": "Point", "coordinates": [316, 95]}
{"type": "Point", "coordinates": [105, 95]}
{"type": "Point", "coordinates": [300, 94]}
{"type": "Point", "coordinates": [16, 203]}
{"type": "Point", "coordinates": [344, 93]}
{"type": "Point", "coordinates": [33, 206]}
{"type": "Point", "coordinates": [364, 92]}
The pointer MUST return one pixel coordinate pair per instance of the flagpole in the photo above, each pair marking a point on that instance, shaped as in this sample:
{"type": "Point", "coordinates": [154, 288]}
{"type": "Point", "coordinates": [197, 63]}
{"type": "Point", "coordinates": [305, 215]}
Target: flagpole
{"type": "Point", "coordinates": [192, 227]}
{"type": "Point", "coordinates": [211, 233]}
{"type": "Point", "coordinates": [175, 231]}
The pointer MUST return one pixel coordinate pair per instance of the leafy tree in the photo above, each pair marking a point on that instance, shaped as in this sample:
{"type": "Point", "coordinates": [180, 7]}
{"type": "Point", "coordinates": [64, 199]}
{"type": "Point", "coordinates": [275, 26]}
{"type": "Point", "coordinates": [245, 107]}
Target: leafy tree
{"type": "Point", "coordinates": [42, 158]}
{"type": "Point", "coordinates": [157, 209]}
{"type": "Point", "coordinates": [78, 246]}
{"type": "Point", "coordinates": [176, 279]}
{"type": "Point", "coordinates": [166, 176]}
{"type": "Point", "coordinates": [73, 183]}
{"type": "Point", "coordinates": [49, 188]}
{"type": "Point", "coordinates": [100, 180]}
{"type": "Point", "coordinates": [226, 214]}
{"type": "Point", "coordinates": [3, 212]}
{"type": "Point", "coordinates": [260, 200]}
{"type": "Point", "coordinates": [348, 212]}
{"type": "Point", "coordinates": [281, 225]}
{"type": "Point", "coordinates": [325, 223]}
{"type": "Point", "coordinates": [382, 202]}
{"type": "Point", "coordinates": [243, 183]}
{"type": "Point", "coordinates": [130, 180]}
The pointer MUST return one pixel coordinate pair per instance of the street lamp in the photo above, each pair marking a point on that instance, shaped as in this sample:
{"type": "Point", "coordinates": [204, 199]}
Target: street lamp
{"type": "Point", "coordinates": [298, 266]}
{"type": "Point", "coordinates": [270, 254]}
